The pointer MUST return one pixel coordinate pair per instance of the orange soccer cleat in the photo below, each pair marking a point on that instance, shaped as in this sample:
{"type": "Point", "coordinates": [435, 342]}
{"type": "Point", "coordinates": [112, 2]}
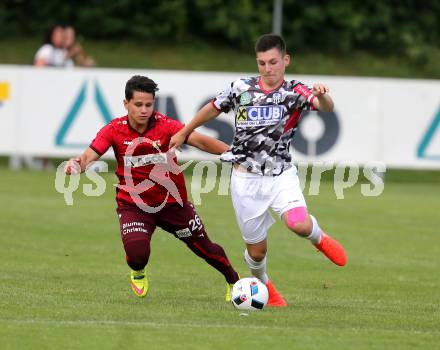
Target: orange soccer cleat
{"type": "Point", "coordinates": [332, 250]}
{"type": "Point", "coordinates": [275, 298]}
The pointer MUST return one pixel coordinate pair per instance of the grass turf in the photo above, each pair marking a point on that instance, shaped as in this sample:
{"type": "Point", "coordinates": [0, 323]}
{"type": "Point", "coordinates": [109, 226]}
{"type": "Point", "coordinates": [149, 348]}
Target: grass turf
{"type": "Point", "coordinates": [64, 282]}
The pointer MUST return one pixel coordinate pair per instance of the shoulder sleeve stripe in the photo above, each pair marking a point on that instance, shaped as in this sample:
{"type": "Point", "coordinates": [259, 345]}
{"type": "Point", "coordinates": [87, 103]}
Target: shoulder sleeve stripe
{"type": "Point", "coordinates": [93, 148]}
{"type": "Point", "coordinates": [213, 104]}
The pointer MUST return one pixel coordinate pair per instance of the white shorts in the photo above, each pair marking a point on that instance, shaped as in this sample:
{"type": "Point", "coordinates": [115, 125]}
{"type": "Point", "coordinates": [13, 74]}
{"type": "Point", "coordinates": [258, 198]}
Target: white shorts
{"type": "Point", "coordinates": [253, 195]}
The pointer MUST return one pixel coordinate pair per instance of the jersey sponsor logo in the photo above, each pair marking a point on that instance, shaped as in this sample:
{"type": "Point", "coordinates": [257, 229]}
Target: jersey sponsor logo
{"type": "Point", "coordinates": [245, 98]}
{"type": "Point", "coordinates": [160, 174]}
{"type": "Point", "coordinates": [143, 160]}
{"type": "Point", "coordinates": [258, 115]}
{"type": "Point", "coordinates": [134, 226]}
{"type": "Point", "coordinates": [302, 90]}
{"type": "Point", "coordinates": [185, 232]}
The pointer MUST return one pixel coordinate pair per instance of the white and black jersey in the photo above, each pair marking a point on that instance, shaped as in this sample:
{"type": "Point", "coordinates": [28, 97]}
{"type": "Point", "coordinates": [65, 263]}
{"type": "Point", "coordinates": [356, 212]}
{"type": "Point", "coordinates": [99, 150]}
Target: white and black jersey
{"type": "Point", "coordinates": [265, 122]}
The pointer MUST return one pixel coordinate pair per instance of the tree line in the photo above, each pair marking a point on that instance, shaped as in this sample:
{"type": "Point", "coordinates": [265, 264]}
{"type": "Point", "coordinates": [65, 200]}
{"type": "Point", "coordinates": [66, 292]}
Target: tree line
{"type": "Point", "coordinates": [402, 27]}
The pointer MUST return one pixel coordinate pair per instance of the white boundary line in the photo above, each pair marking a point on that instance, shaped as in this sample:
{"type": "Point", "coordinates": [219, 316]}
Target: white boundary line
{"type": "Point", "coordinates": [199, 325]}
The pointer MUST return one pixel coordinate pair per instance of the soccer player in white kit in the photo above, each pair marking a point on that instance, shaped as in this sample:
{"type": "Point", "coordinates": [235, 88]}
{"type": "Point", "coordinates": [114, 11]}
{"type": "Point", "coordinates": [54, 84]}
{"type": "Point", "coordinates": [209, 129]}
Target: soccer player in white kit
{"type": "Point", "coordinates": [267, 109]}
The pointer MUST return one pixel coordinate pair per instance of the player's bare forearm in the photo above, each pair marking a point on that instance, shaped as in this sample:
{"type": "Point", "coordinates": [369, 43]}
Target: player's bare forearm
{"type": "Point", "coordinates": [205, 114]}
{"type": "Point", "coordinates": [325, 103]}
{"type": "Point", "coordinates": [206, 143]}
{"type": "Point", "coordinates": [79, 164]}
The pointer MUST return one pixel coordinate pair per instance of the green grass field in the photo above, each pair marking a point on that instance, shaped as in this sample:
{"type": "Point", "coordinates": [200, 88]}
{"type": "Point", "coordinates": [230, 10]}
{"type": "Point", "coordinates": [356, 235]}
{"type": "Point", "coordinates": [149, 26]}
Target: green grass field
{"type": "Point", "coordinates": [64, 281]}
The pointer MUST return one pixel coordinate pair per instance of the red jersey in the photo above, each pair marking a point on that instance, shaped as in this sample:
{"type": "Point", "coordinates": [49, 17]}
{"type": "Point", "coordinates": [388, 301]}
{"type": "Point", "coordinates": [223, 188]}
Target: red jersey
{"type": "Point", "coordinates": [146, 173]}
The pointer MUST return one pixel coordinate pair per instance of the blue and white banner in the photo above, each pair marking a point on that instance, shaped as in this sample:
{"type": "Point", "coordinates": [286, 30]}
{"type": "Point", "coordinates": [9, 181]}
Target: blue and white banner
{"type": "Point", "coordinates": [57, 112]}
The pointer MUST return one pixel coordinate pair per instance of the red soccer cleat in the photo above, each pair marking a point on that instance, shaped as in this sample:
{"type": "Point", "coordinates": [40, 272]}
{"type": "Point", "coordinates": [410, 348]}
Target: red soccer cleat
{"type": "Point", "coordinates": [332, 250]}
{"type": "Point", "coordinates": [275, 298]}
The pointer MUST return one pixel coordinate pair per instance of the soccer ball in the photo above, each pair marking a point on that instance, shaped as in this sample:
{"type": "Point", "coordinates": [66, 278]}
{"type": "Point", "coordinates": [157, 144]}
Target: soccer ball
{"type": "Point", "coordinates": [249, 294]}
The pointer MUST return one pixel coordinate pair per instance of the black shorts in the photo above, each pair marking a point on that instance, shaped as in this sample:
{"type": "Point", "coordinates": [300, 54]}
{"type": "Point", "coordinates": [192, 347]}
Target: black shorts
{"type": "Point", "coordinates": [181, 221]}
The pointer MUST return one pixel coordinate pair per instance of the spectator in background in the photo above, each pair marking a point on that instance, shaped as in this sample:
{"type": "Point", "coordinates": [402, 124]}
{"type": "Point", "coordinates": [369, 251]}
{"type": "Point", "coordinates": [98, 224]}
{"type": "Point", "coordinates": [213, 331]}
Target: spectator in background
{"type": "Point", "coordinates": [75, 51]}
{"type": "Point", "coordinates": [53, 52]}
{"type": "Point", "coordinates": [59, 50]}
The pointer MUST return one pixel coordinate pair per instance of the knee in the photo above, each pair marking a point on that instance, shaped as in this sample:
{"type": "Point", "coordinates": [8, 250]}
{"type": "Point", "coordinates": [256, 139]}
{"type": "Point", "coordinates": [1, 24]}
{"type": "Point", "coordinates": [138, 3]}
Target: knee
{"type": "Point", "coordinates": [298, 221]}
{"type": "Point", "coordinates": [257, 254]}
{"type": "Point", "coordinates": [302, 229]}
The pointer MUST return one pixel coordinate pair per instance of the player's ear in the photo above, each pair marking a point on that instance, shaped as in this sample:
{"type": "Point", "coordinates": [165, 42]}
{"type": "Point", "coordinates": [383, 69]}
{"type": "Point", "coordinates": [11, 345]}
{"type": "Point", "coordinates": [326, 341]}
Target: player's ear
{"type": "Point", "coordinates": [286, 59]}
{"type": "Point", "coordinates": [125, 104]}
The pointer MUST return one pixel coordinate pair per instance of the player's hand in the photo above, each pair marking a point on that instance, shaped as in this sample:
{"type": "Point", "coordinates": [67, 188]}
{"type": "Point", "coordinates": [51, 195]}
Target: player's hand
{"type": "Point", "coordinates": [176, 141]}
{"type": "Point", "coordinates": [73, 166]}
{"type": "Point", "coordinates": [320, 89]}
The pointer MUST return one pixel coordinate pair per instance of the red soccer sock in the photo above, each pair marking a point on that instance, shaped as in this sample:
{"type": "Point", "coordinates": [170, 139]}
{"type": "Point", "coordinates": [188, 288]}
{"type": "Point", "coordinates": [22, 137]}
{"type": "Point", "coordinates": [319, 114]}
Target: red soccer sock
{"type": "Point", "coordinates": [137, 254]}
{"type": "Point", "coordinates": [215, 256]}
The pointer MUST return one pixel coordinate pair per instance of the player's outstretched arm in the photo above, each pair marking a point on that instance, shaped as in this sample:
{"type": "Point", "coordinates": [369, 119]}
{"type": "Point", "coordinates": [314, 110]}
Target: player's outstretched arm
{"type": "Point", "coordinates": [206, 143]}
{"type": "Point", "coordinates": [205, 114]}
{"type": "Point", "coordinates": [77, 165]}
{"type": "Point", "coordinates": [323, 102]}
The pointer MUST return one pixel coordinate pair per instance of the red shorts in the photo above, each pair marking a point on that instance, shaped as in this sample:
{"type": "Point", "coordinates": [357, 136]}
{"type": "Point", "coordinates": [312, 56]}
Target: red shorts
{"type": "Point", "coordinates": [182, 222]}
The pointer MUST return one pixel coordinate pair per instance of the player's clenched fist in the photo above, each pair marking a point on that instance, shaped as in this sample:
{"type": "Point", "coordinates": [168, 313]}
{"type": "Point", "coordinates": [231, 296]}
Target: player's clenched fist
{"type": "Point", "coordinates": [177, 140]}
{"type": "Point", "coordinates": [73, 166]}
{"type": "Point", "coordinates": [320, 89]}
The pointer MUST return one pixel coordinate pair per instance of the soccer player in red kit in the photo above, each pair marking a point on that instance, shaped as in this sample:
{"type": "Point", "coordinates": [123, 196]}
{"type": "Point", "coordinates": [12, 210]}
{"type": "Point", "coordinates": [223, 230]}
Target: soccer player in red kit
{"type": "Point", "coordinates": [151, 190]}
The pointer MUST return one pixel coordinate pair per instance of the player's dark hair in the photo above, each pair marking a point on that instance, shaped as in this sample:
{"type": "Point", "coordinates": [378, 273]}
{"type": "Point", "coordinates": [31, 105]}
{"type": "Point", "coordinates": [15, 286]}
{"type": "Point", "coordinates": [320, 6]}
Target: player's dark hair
{"type": "Point", "coordinates": [270, 41]}
{"type": "Point", "coordinates": [139, 83]}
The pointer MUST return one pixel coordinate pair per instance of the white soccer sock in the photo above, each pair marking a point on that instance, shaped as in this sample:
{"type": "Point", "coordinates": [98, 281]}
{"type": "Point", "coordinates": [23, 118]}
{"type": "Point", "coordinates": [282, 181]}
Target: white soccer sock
{"type": "Point", "coordinates": [257, 268]}
{"type": "Point", "coordinates": [315, 236]}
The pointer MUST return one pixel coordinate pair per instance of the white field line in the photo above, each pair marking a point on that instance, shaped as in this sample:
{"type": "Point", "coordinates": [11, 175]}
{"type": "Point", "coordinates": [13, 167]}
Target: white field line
{"type": "Point", "coordinates": [200, 325]}
{"type": "Point", "coordinates": [133, 323]}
